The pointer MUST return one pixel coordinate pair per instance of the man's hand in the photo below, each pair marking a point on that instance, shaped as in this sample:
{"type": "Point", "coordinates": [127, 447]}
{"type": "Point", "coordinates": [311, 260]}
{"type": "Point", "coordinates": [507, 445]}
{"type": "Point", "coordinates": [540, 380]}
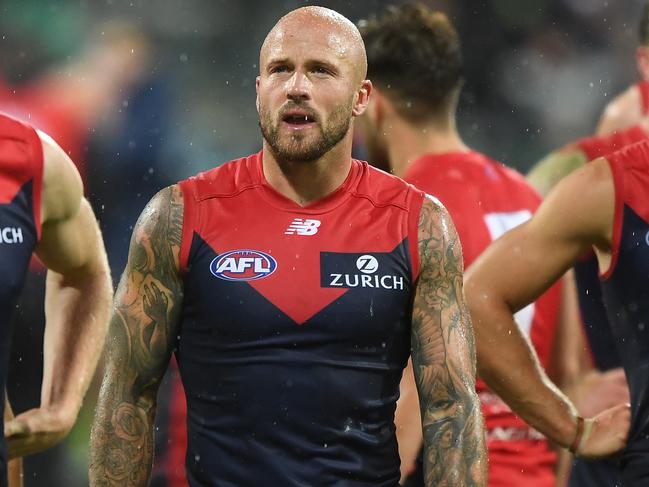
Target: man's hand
{"type": "Point", "coordinates": [606, 433]}
{"type": "Point", "coordinates": [37, 429]}
{"type": "Point", "coordinates": [598, 391]}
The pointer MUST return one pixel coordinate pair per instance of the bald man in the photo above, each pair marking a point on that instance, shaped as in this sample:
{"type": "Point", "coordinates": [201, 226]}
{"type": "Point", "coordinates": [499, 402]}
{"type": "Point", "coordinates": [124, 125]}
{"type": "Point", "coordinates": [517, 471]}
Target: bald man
{"type": "Point", "coordinates": [292, 284]}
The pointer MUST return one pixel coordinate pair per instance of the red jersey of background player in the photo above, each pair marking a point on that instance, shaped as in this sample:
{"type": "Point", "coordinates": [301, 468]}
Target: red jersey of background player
{"type": "Point", "coordinates": [486, 199]}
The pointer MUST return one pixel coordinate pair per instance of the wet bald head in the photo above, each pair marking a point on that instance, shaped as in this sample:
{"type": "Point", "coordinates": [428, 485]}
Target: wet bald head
{"type": "Point", "coordinates": [342, 37]}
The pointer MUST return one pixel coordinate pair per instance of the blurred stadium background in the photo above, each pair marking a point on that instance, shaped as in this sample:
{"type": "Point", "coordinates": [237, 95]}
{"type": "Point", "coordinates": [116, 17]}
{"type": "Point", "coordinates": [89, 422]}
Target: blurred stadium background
{"type": "Point", "coordinates": [143, 93]}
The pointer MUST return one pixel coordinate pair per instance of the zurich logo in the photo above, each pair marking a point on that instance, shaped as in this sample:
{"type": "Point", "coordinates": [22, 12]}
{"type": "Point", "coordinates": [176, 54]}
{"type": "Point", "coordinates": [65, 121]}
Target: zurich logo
{"type": "Point", "coordinates": [243, 265]}
{"type": "Point", "coordinates": [367, 264]}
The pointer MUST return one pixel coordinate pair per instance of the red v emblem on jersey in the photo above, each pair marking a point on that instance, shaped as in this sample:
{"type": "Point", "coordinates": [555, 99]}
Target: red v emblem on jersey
{"type": "Point", "coordinates": [287, 278]}
{"type": "Point", "coordinates": [302, 298]}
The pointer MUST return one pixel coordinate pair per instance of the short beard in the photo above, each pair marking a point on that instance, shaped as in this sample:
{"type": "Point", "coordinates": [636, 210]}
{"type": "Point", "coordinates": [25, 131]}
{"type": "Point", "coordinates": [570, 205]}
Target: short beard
{"type": "Point", "coordinates": [295, 150]}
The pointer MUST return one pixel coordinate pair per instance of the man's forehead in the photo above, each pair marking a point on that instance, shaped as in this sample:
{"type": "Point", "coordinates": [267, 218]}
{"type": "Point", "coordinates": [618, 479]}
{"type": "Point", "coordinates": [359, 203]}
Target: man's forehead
{"type": "Point", "coordinates": [285, 43]}
{"type": "Point", "coordinates": [319, 31]}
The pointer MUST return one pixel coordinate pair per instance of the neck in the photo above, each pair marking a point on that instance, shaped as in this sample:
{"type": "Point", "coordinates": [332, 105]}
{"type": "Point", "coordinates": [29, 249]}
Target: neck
{"type": "Point", "coordinates": [407, 142]}
{"type": "Point", "coordinates": [305, 182]}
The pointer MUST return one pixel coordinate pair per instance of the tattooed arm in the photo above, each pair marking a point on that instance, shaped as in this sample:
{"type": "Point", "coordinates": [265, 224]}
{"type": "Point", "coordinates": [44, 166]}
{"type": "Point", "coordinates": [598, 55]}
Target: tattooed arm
{"type": "Point", "coordinates": [141, 339]}
{"type": "Point", "coordinates": [443, 356]}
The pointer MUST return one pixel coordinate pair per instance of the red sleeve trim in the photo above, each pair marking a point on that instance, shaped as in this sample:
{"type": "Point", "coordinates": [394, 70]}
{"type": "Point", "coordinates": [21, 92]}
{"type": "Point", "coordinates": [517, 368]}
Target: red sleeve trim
{"type": "Point", "coordinates": [417, 200]}
{"type": "Point", "coordinates": [37, 186]}
{"type": "Point", "coordinates": [618, 216]}
{"type": "Point", "coordinates": [643, 87]}
{"type": "Point", "coordinates": [189, 209]}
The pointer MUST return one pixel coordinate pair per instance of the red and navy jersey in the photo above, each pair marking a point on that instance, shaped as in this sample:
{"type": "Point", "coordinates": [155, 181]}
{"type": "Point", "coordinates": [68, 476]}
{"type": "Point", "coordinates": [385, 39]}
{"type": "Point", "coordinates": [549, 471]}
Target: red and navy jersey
{"type": "Point", "coordinates": [486, 199]}
{"type": "Point", "coordinates": [21, 175]}
{"type": "Point", "coordinates": [625, 288]}
{"type": "Point", "coordinates": [591, 306]}
{"type": "Point", "coordinates": [295, 327]}
{"type": "Point", "coordinates": [593, 314]}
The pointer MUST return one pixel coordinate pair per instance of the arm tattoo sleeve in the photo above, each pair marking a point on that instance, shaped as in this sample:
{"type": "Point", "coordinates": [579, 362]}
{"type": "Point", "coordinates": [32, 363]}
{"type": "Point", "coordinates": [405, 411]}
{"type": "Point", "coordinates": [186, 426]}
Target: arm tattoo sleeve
{"type": "Point", "coordinates": [139, 345]}
{"type": "Point", "coordinates": [443, 355]}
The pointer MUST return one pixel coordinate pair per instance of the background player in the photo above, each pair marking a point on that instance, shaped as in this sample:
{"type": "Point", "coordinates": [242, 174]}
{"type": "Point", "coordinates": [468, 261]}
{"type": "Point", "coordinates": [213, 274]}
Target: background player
{"type": "Point", "coordinates": [269, 401]}
{"type": "Point", "coordinates": [624, 121]}
{"type": "Point", "coordinates": [412, 118]}
{"type": "Point", "coordinates": [42, 209]}
{"type": "Point", "coordinates": [602, 206]}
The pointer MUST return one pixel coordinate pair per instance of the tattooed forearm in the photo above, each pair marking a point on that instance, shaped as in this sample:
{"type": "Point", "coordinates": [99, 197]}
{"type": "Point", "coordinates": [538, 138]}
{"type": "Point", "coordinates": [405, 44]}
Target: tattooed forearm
{"type": "Point", "coordinates": [443, 355]}
{"type": "Point", "coordinates": [146, 312]}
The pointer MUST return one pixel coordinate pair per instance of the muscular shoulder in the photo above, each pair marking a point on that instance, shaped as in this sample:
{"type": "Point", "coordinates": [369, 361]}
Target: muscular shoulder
{"type": "Point", "coordinates": [572, 211]}
{"type": "Point", "coordinates": [436, 235]}
{"type": "Point", "coordinates": [62, 186]}
{"type": "Point", "coordinates": [158, 232]}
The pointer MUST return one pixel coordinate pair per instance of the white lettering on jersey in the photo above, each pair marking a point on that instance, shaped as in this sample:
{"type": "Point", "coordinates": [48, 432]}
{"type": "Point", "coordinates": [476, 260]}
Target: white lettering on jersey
{"type": "Point", "coordinates": [499, 224]}
{"type": "Point", "coordinates": [11, 235]}
{"type": "Point", "coordinates": [239, 266]}
{"type": "Point", "coordinates": [303, 227]}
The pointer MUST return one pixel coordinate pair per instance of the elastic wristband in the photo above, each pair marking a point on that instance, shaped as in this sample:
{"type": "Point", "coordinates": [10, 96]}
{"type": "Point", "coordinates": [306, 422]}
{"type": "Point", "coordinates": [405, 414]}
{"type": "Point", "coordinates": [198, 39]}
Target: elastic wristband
{"type": "Point", "coordinates": [574, 446]}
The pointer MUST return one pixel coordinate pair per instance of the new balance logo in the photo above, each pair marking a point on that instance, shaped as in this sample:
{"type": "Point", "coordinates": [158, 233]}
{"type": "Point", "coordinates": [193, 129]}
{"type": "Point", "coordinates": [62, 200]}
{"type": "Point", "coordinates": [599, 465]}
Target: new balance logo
{"type": "Point", "coordinates": [303, 227]}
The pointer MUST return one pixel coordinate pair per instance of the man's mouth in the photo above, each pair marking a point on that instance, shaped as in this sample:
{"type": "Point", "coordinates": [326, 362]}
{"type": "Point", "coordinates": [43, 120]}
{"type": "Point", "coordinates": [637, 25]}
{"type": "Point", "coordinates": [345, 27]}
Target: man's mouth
{"type": "Point", "coordinates": [298, 120]}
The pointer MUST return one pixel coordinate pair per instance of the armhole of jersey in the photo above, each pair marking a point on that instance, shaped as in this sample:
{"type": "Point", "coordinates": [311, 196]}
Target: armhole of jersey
{"type": "Point", "coordinates": [38, 165]}
{"type": "Point", "coordinates": [189, 209]}
{"type": "Point", "coordinates": [643, 87]}
{"type": "Point", "coordinates": [417, 201]}
{"type": "Point", "coordinates": [618, 216]}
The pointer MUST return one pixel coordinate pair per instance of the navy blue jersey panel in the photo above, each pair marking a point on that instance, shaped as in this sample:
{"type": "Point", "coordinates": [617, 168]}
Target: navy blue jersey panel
{"type": "Point", "coordinates": [626, 293]}
{"type": "Point", "coordinates": [18, 238]}
{"type": "Point", "coordinates": [595, 473]}
{"type": "Point", "coordinates": [274, 402]}
{"type": "Point", "coordinates": [593, 315]}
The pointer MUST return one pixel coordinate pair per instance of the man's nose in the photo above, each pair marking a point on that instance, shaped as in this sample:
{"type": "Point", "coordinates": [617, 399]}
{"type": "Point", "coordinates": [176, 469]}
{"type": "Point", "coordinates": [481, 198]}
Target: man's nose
{"type": "Point", "coordinates": [298, 87]}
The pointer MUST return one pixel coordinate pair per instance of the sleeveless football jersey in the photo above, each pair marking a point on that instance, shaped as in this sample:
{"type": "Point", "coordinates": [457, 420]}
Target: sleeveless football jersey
{"type": "Point", "coordinates": [625, 288]}
{"type": "Point", "coordinates": [600, 473]}
{"type": "Point", "coordinates": [486, 199]}
{"type": "Point", "coordinates": [21, 176]}
{"type": "Point", "coordinates": [295, 327]}
{"type": "Point", "coordinates": [591, 306]}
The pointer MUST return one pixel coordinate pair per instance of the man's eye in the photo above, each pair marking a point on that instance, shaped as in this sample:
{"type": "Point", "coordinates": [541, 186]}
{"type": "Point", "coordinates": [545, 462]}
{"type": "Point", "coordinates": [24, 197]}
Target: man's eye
{"type": "Point", "coordinates": [321, 70]}
{"type": "Point", "coordinates": [279, 69]}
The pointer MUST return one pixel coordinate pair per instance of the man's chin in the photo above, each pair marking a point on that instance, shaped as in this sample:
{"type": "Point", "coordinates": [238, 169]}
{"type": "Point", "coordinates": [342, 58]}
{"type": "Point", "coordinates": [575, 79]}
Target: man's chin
{"type": "Point", "coordinates": [298, 153]}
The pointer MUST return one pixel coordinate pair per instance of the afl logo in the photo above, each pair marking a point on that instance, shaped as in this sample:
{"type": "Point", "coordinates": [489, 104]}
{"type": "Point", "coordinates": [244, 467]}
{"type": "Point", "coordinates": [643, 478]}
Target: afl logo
{"type": "Point", "coordinates": [243, 265]}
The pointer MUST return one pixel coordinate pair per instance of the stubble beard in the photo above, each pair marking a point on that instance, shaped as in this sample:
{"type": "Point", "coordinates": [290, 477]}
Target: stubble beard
{"type": "Point", "coordinates": [297, 148]}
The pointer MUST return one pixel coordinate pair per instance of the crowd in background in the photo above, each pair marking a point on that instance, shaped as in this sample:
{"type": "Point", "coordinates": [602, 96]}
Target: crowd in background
{"type": "Point", "coordinates": [142, 94]}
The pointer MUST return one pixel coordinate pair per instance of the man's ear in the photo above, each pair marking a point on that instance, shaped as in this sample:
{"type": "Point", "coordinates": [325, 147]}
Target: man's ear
{"type": "Point", "coordinates": [642, 61]}
{"type": "Point", "coordinates": [376, 107]}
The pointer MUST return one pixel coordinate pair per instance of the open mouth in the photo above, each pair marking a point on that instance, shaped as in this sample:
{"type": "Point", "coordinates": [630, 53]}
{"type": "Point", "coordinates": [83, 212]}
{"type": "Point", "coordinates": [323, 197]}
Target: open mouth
{"type": "Point", "coordinates": [298, 120]}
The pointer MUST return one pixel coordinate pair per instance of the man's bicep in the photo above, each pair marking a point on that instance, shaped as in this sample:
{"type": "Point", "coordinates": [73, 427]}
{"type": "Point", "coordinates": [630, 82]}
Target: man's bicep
{"type": "Point", "coordinates": [441, 328]}
{"type": "Point", "coordinates": [72, 243]}
{"type": "Point", "coordinates": [524, 262]}
{"type": "Point", "coordinates": [149, 296]}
